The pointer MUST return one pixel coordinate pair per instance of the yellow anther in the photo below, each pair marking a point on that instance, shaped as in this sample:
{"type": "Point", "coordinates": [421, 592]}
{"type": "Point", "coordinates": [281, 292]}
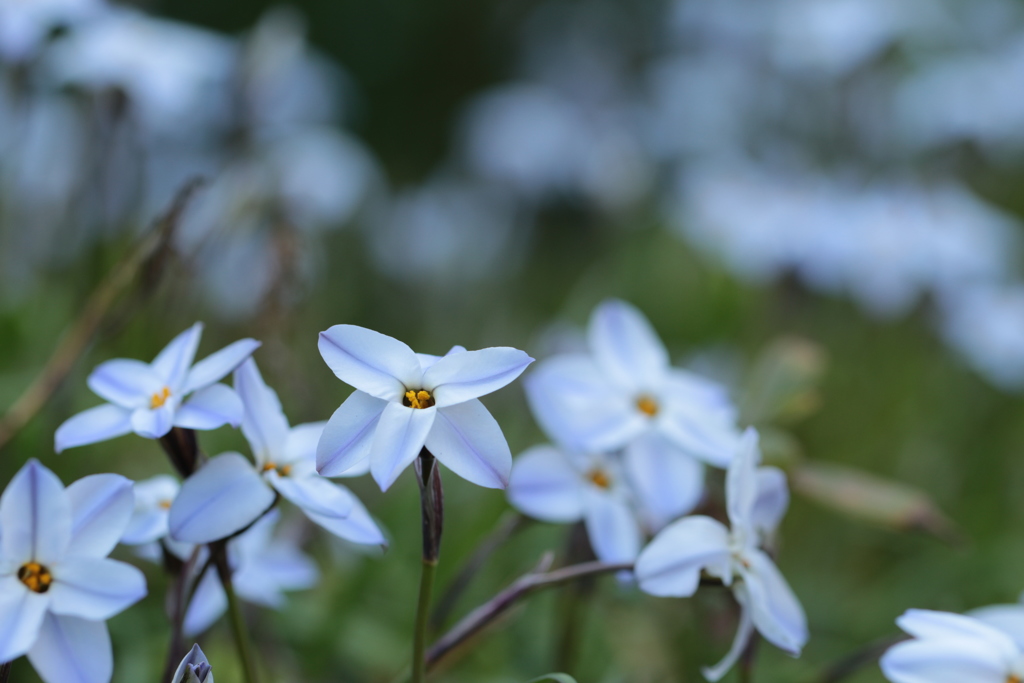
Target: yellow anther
{"type": "Point", "coordinates": [159, 398]}
{"type": "Point", "coordinates": [1014, 678]}
{"type": "Point", "coordinates": [283, 470]}
{"type": "Point", "coordinates": [165, 504]}
{"type": "Point", "coordinates": [600, 478]}
{"type": "Point", "coordinates": [646, 404]}
{"type": "Point", "coordinates": [418, 399]}
{"type": "Point", "coordinates": [37, 577]}
{"type": "Point", "coordinates": [269, 466]}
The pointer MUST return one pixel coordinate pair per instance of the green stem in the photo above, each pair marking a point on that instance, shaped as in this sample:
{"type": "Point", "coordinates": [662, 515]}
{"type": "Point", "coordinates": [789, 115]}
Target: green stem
{"type": "Point", "coordinates": [238, 628]}
{"type": "Point", "coordinates": [5, 672]}
{"type": "Point", "coordinates": [419, 639]}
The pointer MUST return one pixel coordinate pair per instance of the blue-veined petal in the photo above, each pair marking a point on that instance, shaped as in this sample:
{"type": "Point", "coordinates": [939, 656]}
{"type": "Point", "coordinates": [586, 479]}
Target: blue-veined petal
{"type": "Point", "coordinates": [103, 422]}
{"type": "Point", "coordinates": [468, 441]}
{"type": "Point", "coordinates": [357, 527]}
{"type": "Point", "coordinates": [209, 602]}
{"type": "Point", "coordinates": [219, 364]}
{"type": "Point", "coordinates": [263, 422]}
{"type": "Point", "coordinates": [397, 441]}
{"type": "Point", "coordinates": [467, 375]}
{"type": "Point", "coordinates": [153, 498]}
{"type": "Point", "coordinates": [72, 650]}
{"type": "Point", "coordinates": [626, 347]}
{"type": "Point", "coordinates": [671, 564]}
{"type": "Point", "coordinates": [35, 515]}
{"type": "Point", "coordinates": [346, 440]}
{"type": "Point", "coordinates": [370, 361]}
{"type": "Point", "coordinates": [545, 485]}
{"type": "Point", "coordinates": [314, 494]}
{"type": "Point", "coordinates": [173, 363]}
{"type": "Point", "coordinates": [154, 424]}
{"type": "Point", "coordinates": [94, 587]}
{"type": "Point", "coordinates": [101, 506]}
{"type": "Point", "coordinates": [945, 660]}
{"type": "Point", "coordinates": [21, 615]}
{"type": "Point", "coordinates": [209, 408]}
{"type": "Point", "coordinates": [127, 383]}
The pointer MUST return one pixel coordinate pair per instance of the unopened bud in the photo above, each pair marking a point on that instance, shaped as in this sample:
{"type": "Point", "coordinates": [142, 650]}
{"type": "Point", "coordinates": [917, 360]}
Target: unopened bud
{"type": "Point", "coordinates": [194, 668]}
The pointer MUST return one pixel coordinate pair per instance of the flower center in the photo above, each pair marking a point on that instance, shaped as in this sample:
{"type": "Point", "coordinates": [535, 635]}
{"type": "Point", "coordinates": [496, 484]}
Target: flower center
{"type": "Point", "coordinates": [646, 404]}
{"type": "Point", "coordinates": [165, 504]}
{"type": "Point", "coordinates": [159, 398]}
{"type": "Point", "coordinates": [599, 478]}
{"type": "Point", "coordinates": [37, 577]}
{"type": "Point", "coordinates": [418, 399]}
{"type": "Point", "coordinates": [1013, 678]}
{"type": "Point", "coordinates": [283, 470]}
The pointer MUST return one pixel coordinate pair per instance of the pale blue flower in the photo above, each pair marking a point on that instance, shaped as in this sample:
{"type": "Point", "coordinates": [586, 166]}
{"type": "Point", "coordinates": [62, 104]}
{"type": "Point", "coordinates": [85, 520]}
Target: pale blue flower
{"type": "Point", "coordinates": [151, 398]}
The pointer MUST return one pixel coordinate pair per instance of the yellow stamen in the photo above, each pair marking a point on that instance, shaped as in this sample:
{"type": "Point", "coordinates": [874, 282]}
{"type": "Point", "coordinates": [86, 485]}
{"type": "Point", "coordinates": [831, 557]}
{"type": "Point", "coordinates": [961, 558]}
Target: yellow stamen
{"type": "Point", "coordinates": [600, 478]}
{"type": "Point", "coordinates": [165, 504]}
{"type": "Point", "coordinates": [418, 399]}
{"type": "Point", "coordinates": [283, 470]}
{"type": "Point", "coordinates": [159, 398]}
{"type": "Point", "coordinates": [269, 466]}
{"type": "Point", "coordinates": [646, 404]}
{"type": "Point", "coordinates": [1013, 678]}
{"type": "Point", "coordinates": [37, 577]}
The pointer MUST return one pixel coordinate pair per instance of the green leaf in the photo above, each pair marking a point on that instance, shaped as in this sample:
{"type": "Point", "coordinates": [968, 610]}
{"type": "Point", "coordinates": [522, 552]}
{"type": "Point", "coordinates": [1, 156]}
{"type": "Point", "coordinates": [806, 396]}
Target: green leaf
{"type": "Point", "coordinates": [557, 678]}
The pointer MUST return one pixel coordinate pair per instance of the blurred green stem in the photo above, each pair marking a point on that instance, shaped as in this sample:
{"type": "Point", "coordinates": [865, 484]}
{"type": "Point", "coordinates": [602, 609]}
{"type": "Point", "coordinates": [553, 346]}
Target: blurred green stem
{"type": "Point", "coordinates": [237, 620]}
{"type": "Point", "coordinates": [419, 641]}
{"type": "Point", "coordinates": [5, 672]}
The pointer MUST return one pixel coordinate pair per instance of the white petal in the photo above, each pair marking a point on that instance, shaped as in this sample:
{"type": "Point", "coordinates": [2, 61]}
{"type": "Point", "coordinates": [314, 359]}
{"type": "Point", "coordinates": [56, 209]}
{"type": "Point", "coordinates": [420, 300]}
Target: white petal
{"type": "Point", "coordinates": [95, 587]}
{"type": "Point", "coordinates": [370, 361]}
{"type": "Point", "coordinates": [739, 643]}
{"type": "Point", "coordinates": [463, 376]}
{"type": "Point", "coordinates": [357, 527]}
{"type": "Point", "coordinates": [1007, 618]}
{"type": "Point", "coordinates": [153, 498]}
{"type": "Point", "coordinates": [73, 650]}
{"type": "Point", "coordinates": [219, 365]}
{"type": "Point", "coordinates": [741, 482]}
{"type": "Point", "coordinates": [172, 364]}
{"type": "Point", "coordinates": [668, 483]}
{"type": "Point", "coordinates": [209, 602]}
{"type": "Point", "coordinates": [210, 407]}
{"type": "Point", "coordinates": [35, 515]}
{"type": "Point", "coordinates": [195, 657]}
{"type": "Point", "coordinates": [263, 420]}
{"type": "Point", "coordinates": [670, 565]}
{"type": "Point", "coordinates": [772, 499]}
{"type": "Point", "coordinates": [127, 383]}
{"type": "Point", "coordinates": [101, 506]}
{"type": "Point", "coordinates": [578, 407]}
{"type": "Point", "coordinates": [397, 441]}
{"type": "Point", "coordinates": [314, 494]}
{"type": "Point", "coordinates": [95, 424]}
{"type": "Point", "coordinates": [626, 346]}
{"type": "Point", "coordinates": [152, 424]}
{"type": "Point", "coordinates": [709, 436]}
{"type": "Point", "coordinates": [922, 623]}
{"type": "Point", "coordinates": [776, 611]}
{"type": "Point", "coordinates": [223, 497]}
{"type": "Point", "coordinates": [21, 615]}
{"type": "Point", "coordinates": [281, 567]}
{"type": "Point", "coordinates": [348, 436]}
{"type": "Point", "coordinates": [545, 485]}
{"type": "Point", "coordinates": [468, 441]}
{"type": "Point", "coordinates": [945, 660]}
{"type": "Point", "coordinates": [301, 441]}
{"type": "Point", "coordinates": [612, 528]}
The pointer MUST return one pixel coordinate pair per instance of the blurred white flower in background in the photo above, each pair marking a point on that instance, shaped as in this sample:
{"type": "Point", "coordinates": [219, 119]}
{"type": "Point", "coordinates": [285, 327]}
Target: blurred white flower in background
{"type": "Point", "coordinates": [25, 24]}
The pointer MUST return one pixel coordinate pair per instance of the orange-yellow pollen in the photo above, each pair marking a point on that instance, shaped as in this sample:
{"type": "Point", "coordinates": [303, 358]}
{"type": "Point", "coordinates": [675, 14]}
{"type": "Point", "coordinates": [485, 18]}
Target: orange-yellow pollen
{"type": "Point", "coordinates": [600, 478]}
{"type": "Point", "coordinates": [646, 404]}
{"type": "Point", "coordinates": [283, 470]}
{"type": "Point", "coordinates": [1013, 678]}
{"type": "Point", "coordinates": [159, 398]}
{"type": "Point", "coordinates": [418, 399]}
{"type": "Point", "coordinates": [165, 504]}
{"type": "Point", "coordinates": [37, 577]}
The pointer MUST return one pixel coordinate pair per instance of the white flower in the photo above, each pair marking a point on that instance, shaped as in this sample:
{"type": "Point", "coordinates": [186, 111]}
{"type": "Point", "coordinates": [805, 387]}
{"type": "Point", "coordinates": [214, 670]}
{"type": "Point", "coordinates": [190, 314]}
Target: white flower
{"type": "Point", "coordinates": [262, 569]}
{"type": "Point", "coordinates": [228, 493]}
{"type": "Point", "coordinates": [952, 648]}
{"type": "Point", "coordinates": [148, 527]}
{"type": "Point", "coordinates": [626, 389]}
{"type": "Point", "coordinates": [150, 398]}
{"type": "Point", "coordinates": [57, 586]}
{"type": "Point", "coordinates": [195, 668]}
{"type": "Point", "coordinates": [671, 565]}
{"type": "Point", "coordinates": [406, 401]}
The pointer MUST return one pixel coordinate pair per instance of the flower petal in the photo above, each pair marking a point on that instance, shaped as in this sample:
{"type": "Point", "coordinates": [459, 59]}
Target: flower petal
{"type": "Point", "coordinates": [744, 630]}
{"type": "Point", "coordinates": [127, 383]}
{"type": "Point", "coordinates": [626, 346]}
{"type": "Point", "coordinates": [578, 407]}
{"type": "Point", "coordinates": [153, 498]}
{"type": "Point", "coordinates": [72, 650]}
{"type": "Point", "coordinates": [612, 527]}
{"type": "Point", "coordinates": [467, 375]}
{"type": "Point", "coordinates": [349, 434]}
{"type": "Point", "coordinates": [209, 602]}
{"type": "Point", "coordinates": [923, 623]}
{"type": "Point", "coordinates": [370, 361]}
{"type": "Point", "coordinates": [35, 515]}
{"type": "Point", "coordinates": [172, 364]}
{"type": "Point", "coordinates": [21, 615]}
{"type": "Point", "coordinates": [945, 660]}
{"type": "Point", "coordinates": [772, 499]}
{"type": "Point", "coordinates": [357, 527]}
{"type": "Point", "coordinates": [280, 567]}
{"type": "Point", "coordinates": [95, 587]}
{"type": "Point", "coordinates": [90, 426]}
{"type": "Point", "coordinates": [101, 506]}
{"type": "Point", "coordinates": [670, 565]}
{"type": "Point", "coordinates": [219, 365]}
{"type": "Point", "coordinates": [222, 498]}
{"type": "Point", "coordinates": [776, 611]}
{"type": "Point", "coordinates": [468, 441]}
{"type": "Point", "coordinates": [263, 422]}
{"type": "Point", "coordinates": [397, 441]}
{"type": "Point", "coordinates": [1007, 618]}
{"type": "Point", "coordinates": [546, 486]}
{"type": "Point", "coordinates": [301, 442]}
{"type": "Point", "coordinates": [195, 657]}
{"type": "Point", "coordinates": [152, 424]}
{"type": "Point", "coordinates": [668, 483]}
{"type": "Point", "coordinates": [741, 482]}
{"type": "Point", "coordinates": [209, 408]}
{"type": "Point", "coordinates": [707, 435]}
{"type": "Point", "coordinates": [314, 494]}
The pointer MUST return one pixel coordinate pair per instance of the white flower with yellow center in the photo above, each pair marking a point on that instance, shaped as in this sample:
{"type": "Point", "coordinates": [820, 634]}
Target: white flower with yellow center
{"type": "Point", "coordinates": [57, 586]}
{"type": "Point", "coordinates": [151, 398]}
{"type": "Point", "coordinates": [405, 401]}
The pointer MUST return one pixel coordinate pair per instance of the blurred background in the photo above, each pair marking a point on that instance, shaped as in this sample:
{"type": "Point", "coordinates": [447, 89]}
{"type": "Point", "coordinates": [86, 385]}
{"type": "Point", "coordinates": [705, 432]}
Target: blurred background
{"type": "Point", "coordinates": [817, 202]}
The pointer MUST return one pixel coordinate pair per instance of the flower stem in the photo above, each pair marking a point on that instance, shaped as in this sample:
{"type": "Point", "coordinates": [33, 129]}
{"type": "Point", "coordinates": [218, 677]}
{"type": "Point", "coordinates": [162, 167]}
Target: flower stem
{"type": "Point", "coordinates": [419, 640]}
{"type": "Point", "coordinates": [5, 672]}
{"type": "Point", "coordinates": [432, 515]}
{"type": "Point", "coordinates": [238, 628]}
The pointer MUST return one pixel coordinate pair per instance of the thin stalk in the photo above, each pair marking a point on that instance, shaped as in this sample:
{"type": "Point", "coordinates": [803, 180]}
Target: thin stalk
{"type": "Point", "coordinates": [419, 641]}
{"type": "Point", "coordinates": [180, 599]}
{"type": "Point", "coordinates": [853, 663]}
{"type": "Point", "coordinates": [238, 627]}
{"type": "Point", "coordinates": [5, 672]}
